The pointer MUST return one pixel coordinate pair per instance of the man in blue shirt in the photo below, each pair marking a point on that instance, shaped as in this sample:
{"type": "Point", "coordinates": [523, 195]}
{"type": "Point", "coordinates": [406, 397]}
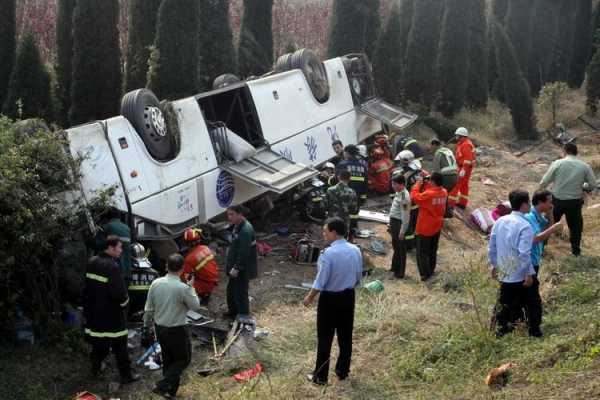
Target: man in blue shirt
{"type": "Point", "coordinates": [339, 272]}
{"type": "Point", "coordinates": [509, 255]}
{"type": "Point", "coordinates": [542, 205]}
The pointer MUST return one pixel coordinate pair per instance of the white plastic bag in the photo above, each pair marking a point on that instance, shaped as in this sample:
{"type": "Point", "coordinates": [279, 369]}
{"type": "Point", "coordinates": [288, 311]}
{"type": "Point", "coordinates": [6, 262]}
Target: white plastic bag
{"type": "Point", "coordinates": [482, 217]}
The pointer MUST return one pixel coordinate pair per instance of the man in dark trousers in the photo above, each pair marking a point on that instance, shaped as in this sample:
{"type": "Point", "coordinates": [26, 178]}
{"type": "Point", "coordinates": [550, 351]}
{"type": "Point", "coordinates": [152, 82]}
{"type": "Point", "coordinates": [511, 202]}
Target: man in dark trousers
{"type": "Point", "coordinates": [568, 177]}
{"type": "Point", "coordinates": [104, 304]}
{"type": "Point", "coordinates": [358, 178]}
{"type": "Point", "coordinates": [538, 219]}
{"type": "Point", "coordinates": [431, 198]}
{"type": "Point", "coordinates": [399, 220]}
{"type": "Point", "coordinates": [509, 255]}
{"type": "Point", "coordinates": [339, 271]}
{"type": "Point", "coordinates": [241, 262]}
{"type": "Point", "coordinates": [169, 300]}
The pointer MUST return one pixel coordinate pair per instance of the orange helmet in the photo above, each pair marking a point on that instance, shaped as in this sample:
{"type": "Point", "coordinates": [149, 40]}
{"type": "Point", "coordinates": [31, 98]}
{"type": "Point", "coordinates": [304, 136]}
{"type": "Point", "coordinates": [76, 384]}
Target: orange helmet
{"type": "Point", "coordinates": [378, 154]}
{"type": "Point", "coordinates": [192, 235]}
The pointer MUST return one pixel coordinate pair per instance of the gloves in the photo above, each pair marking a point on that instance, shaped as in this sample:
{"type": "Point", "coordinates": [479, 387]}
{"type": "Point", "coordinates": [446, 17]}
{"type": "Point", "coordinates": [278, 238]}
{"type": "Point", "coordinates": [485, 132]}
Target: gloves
{"type": "Point", "coordinates": [147, 339]}
{"type": "Point", "coordinates": [462, 173]}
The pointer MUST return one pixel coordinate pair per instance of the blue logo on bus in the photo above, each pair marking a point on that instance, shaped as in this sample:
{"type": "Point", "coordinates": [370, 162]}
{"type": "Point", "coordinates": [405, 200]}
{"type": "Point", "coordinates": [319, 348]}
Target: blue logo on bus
{"type": "Point", "coordinates": [225, 189]}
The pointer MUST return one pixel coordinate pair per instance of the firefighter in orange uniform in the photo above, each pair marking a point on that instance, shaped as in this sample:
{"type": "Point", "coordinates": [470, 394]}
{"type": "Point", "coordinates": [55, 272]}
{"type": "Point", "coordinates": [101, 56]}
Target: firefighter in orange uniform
{"type": "Point", "coordinates": [200, 261]}
{"type": "Point", "coordinates": [465, 158]}
{"type": "Point", "coordinates": [380, 172]}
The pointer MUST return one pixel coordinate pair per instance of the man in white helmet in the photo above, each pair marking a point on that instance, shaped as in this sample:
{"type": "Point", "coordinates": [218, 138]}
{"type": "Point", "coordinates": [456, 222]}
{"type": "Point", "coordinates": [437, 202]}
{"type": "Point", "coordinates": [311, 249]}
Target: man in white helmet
{"type": "Point", "coordinates": [412, 171]}
{"type": "Point", "coordinates": [465, 158]}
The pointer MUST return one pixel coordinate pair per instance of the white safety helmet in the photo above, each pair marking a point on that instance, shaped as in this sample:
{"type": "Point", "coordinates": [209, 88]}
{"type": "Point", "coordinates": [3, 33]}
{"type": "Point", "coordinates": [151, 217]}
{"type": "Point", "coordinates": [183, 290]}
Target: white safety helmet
{"type": "Point", "coordinates": [362, 150]}
{"type": "Point", "coordinates": [328, 165]}
{"type": "Point", "coordinates": [415, 165]}
{"type": "Point", "coordinates": [406, 156]}
{"type": "Point", "coordinates": [462, 132]}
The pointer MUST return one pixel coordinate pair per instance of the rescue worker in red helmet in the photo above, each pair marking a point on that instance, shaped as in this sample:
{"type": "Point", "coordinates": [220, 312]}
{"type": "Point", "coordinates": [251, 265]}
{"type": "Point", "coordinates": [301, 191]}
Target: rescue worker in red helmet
{"type": "Point", "coordinates": [384, 143]}
{"type": "Point", "coordinates": [380, 172]}
{"type": "Point", "coordinates": [201, 262]}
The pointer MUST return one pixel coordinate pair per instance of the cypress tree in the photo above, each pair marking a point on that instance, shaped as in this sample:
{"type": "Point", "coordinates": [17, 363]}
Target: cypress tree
{"type": "Point", "coordinates": [348, 28]}
{"type": "Point", "coordinates": [141, 32]}
{"type": "Point", "coordinates": [64, 59]}
{"type": "Point", "coordinates": [516, 89]}
{"type": "Point", "coordinates": [96, 81]}
{"type": "Point", "coordinates": [406, 17]}
{"type": "Point", "coordinates": [582, 43]}
{"type": "Point", "coordinates": [8, 29]}
{"type": "Point", "coordinates": [592, 88]}
{"type": "Point", "coordinates": [372, 25]}
{"type": "Point", "coordinates": [519, 29]}
{"type": "Point", "coordinates": [498, 14]}
{"type": "Point", "coordinates": [29, 86]}
{"type": "Point", "coordinates": [255, 54]}
{"type": "Point", "coordinates": [563, 49]}
{"type": "Point", "coordinates": [595, 30]}
{"type": "Point", "coordinates": [453, 59]}
{"type": "Point", "coordinates": [545, 32]}
{"type": "Point", "coordinates": [419, 79]}
{"type": "Point", "coordinates": [173, 71]}
{"type": "Point", "coordinates": [387, 61]}
{"type": "Point", "coordinates": [217, 54]}
{"type": "Point", "coordinates": [477, 88]}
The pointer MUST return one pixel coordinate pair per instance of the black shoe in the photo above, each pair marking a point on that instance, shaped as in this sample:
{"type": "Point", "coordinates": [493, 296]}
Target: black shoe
{"type": "Point", "coordinates": [461, 207]}
{"type": "Point", "coordinates": [311, 378]}
{"type": "Point", "coordinates": [162, 393]}
{"type": "Point", "coordinates": [341, 376]}
{"type": "Point", "coordinates": [130, 379]}
{"type": "Point", "coordinates": [205, 300]}
{"type": "Point", "coordinates": [536, 334]}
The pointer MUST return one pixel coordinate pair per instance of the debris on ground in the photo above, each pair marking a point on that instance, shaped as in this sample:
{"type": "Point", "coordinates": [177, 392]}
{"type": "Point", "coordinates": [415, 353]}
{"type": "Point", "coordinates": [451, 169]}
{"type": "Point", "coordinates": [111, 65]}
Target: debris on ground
{"type": "Point", "coordinates": [499, 376]}
{"type": "Point", "coordinates": [263, 248]}
{"type": "Point", "coordinates": [375, 286]}
{"type": "Point", "coordinates": [482, 217]}
{"type": "Point", "coordinates": [86, 396]}
{"type": "Point", "coordinates": [248, 374]}
{"type": "Point", "coordinates": [373, 216]}
{"type": "Point", "coordinates": [364, 233]}
{"type": "Point", "coordinates": [488, 182]}
{"type": "Point", "coordinates": [378, 246]}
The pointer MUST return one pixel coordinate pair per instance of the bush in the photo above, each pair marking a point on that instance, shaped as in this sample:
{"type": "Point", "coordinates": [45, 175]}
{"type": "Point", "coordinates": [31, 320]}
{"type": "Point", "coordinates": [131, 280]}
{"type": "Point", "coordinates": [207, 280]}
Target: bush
{"type": "Point", "coordinates": [35, 172]}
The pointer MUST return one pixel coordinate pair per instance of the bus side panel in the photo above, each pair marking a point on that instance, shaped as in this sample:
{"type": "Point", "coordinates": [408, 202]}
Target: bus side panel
{"type": "Point", "coordinates": [286, 105]}
{"type": "Point", "coordinates": [98, 169]}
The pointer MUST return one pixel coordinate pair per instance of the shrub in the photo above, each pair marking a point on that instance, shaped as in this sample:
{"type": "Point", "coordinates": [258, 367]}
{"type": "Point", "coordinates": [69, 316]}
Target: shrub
{"type": "Point", "coordinates": [551, 98]}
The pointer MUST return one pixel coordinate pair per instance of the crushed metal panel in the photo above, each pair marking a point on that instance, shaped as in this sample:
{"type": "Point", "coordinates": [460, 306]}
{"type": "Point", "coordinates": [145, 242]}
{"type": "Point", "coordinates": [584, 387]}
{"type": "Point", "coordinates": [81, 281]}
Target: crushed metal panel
{"type": "Point", "coordinates": [271, 171]}
{"type": "Point", "coordinates": [387, 113]}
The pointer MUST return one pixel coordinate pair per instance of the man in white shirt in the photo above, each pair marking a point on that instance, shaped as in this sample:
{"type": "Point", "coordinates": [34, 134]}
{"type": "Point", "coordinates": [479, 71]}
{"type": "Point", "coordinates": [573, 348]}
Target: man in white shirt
{"type": "Point", "coordinates": [509, 255]}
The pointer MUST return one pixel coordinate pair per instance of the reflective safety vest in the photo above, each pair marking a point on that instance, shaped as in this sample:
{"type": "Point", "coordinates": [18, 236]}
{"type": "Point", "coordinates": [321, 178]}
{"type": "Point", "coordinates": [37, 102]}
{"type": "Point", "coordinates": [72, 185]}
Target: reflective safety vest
{"type": "Point", "coordinates": [141, 279]}
{"type": "Point", "coordinates": [444, 162]}
{"type": "Point", "coordinates": [358, 175]}
{"type": "Point", "coordinates": [104, 298]}
{"type": "Point", "coordinates": [201, 262]}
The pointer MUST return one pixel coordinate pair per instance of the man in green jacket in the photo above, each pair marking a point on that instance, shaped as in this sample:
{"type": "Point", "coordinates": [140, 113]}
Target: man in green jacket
{"type": "Point", "coordinates": [570, 177]}
{"type": "Point", "coordinates": [241, 262]}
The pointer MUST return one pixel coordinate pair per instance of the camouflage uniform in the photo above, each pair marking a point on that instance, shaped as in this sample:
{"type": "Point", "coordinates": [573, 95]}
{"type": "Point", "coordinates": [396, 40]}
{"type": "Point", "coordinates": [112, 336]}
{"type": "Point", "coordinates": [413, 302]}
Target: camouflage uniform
{"type": "Point", "coordinates": [342, 202]}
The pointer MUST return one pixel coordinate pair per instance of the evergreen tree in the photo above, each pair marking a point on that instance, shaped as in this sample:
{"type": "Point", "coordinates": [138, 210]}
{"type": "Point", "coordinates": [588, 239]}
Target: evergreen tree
{"type": "Point", "coordinates": [498, 14]}
{"type": "Point", "coordinates": [255, 54]}
{"type": "Point", "coordinates": [372, 25]}
{"type": "Point", "coordinates": [477, 88]}
{"type": "Point", "coordinates": [96, 80]}
{"type": "Point", "coordinates": [64, 59]}
{"type": "Point", "coordinates": [593, 83]}
{"type": "Point", "coordinates": [595, 30]}
{"type": "Point", "coordinates": [419, 79]}
{"type": "Point", "coordinates": [453, 59]}
{"type": "Point", "coordinates": [141, 33]}
{"type": "Point", "coordinates": [545, 32]}
{"type": "Point", "coordinates": [582, 43]}
{"type": "Point", "coordinates": [173, 71]}
{"type": "Point", "coordinates": [406, 17]}
{"type": "Point", "coordinates": [519, 29]}
{"type": "Point", "coordinates": [516, 89]}
{"type": "Point", "coordinates": [29, 87]}
{"type": "Point", "coordinates": [387, 61]}
{"type": "Point", "coordinates": [563, 49]}
{"type": "Point", "coordinates": [348, 28]}
{"type": "Point", "coordinates": [217, 54]}
{"type": "Point", "coordinates": [8, 43]}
